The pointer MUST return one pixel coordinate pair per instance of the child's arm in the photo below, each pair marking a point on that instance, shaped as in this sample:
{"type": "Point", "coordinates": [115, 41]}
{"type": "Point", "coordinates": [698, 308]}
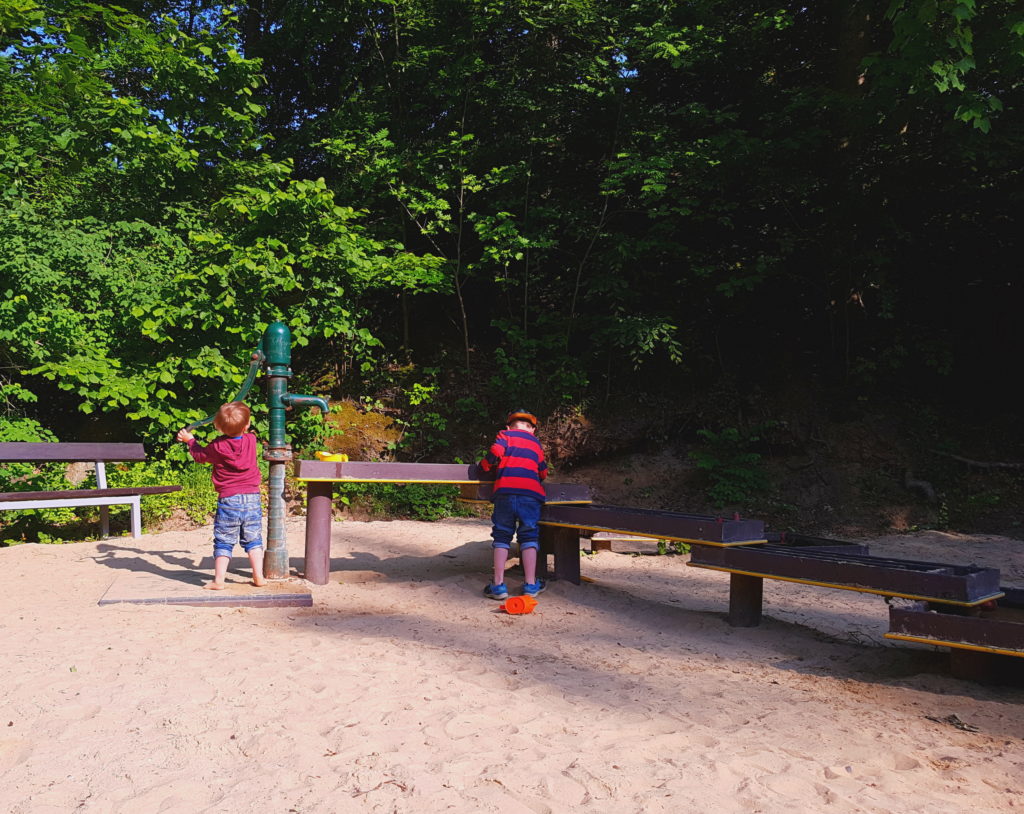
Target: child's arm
{"type": "Point", "coordinates": [494, 454]}
{"type": "Point", "coordinates": [196, 449]}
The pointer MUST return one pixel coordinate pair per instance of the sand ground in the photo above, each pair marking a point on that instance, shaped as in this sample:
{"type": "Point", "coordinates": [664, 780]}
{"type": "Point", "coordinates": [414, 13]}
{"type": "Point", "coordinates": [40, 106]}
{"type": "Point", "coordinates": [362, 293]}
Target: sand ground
{"type": "Point", "coordinates": [404, 690]}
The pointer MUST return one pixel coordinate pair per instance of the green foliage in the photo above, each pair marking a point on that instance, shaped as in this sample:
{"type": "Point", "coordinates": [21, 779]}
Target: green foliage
{"type": "Point", "coordinates": [197, 497]}
{"type": "Point", "coordinates": [558, 196]}
{"type": "Point", "coordinates": [535, 367]}
{"type": "Point", "coordinates": [30, 477]}
{"type": "Point", "coordinates": [734, 470]}
{"type": "Point", "coordinates": [414, 501]}
{"type": "Point", "coordinates": [673, 547]}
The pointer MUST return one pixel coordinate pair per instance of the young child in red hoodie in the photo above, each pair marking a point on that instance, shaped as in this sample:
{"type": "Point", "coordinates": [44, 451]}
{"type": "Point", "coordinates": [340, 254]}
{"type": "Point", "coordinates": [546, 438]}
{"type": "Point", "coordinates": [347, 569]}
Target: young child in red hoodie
{"type": "Point", "coordinates": [236, 477]}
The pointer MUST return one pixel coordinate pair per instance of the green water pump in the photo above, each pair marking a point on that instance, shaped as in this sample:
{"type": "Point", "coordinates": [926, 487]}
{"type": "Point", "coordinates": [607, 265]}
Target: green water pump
{"type": "Point", "coordinates": [274, 355]}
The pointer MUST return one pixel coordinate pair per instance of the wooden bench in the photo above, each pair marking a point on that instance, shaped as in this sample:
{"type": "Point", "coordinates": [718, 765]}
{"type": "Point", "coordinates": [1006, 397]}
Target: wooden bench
{"type": "Point", "coordinates": [321, 476]}
{"type": "Point", "coordinates": [98, 455]}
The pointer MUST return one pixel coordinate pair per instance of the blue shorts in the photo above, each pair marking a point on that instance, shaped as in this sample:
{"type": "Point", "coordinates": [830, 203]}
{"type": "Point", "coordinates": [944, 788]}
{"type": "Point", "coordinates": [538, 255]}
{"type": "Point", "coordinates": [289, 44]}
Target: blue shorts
{"type": "Point", "coordinates": [239, 519]}
{"type": "Point", "coordinates": [516, 515]}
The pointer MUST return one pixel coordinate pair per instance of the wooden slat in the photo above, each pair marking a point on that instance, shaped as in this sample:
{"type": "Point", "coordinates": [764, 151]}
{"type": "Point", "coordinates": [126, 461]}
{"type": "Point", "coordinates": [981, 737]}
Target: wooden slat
{"type": "Point", "coordinates": [45, 451]}
{"type": "Point", "coordinates": [10, 497]}
{"type": "Point", "coordinates": [369, 471]}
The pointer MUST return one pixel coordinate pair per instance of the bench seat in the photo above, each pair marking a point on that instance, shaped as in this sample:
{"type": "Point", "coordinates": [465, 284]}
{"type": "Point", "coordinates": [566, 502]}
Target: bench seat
{"type": "Point", "coordinates": [125, 491]}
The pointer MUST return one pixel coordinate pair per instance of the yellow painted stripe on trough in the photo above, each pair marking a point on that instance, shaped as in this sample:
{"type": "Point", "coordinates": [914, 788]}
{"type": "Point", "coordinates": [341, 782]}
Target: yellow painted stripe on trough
{"type": "Point", "coordinates": [652, 536]}
{"type": "Point", "coordinates": [385, 480]}
{"type": "Point", "coordinates": [961, 645]}
{"type": "Point", "coordinates": [848, 587]}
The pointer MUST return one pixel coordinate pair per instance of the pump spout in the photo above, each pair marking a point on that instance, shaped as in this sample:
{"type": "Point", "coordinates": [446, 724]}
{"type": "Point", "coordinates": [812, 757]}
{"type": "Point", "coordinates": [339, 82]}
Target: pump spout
{"type": "Point", "coordinates": [293, 400]}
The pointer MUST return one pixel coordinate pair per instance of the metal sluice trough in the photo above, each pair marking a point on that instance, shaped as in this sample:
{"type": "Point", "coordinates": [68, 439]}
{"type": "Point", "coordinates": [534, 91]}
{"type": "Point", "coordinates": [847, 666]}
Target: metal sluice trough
{"type": "Point", "coordinates": [910, 579]}
{"type": "Point", "coordinates": [663, 525]}
{"type": "Point", "coordinates": [992, 628]}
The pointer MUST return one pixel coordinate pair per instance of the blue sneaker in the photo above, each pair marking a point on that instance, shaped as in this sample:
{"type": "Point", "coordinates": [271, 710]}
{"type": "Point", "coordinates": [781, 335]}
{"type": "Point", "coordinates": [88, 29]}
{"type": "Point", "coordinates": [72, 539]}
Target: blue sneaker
{"type": "Point", "coordinates": [498, 591]}
{"type": "Point", "coordinates": [534, 588]}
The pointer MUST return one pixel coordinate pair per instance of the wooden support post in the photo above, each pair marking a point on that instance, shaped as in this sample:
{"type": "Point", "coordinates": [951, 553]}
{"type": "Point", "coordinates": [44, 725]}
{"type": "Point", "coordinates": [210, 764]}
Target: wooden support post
{"type": "Point", "coordinates": [564, 543]}
{"type": "Point", "coordinates": [135, 516]}
{"type": "Point", "coordinates": [971, 665]}
{"type": "Point", "coordinates": [544, 548]}
{"type": "Point", "coordinates": [319, 507]}
{"type": "Point", "coordinates": [101, 483]}
{"type": "Point", "coordinates": [745, 595]}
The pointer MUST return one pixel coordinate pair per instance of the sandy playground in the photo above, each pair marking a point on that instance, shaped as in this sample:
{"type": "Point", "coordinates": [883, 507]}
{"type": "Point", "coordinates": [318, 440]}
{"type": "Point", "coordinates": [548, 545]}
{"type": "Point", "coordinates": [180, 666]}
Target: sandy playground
{"type": "Point", "coordinates": [402, 689]}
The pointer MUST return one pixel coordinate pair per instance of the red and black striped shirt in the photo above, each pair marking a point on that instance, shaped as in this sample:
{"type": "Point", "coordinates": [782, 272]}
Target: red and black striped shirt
{"type": "Point", "coordinates": [517, 459]}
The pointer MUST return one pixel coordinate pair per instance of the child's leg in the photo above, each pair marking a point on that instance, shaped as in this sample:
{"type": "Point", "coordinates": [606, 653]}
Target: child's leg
{"type": "Point", "coordinates": [220, 571]}
{"type": "Point", "coordinates": [251, 534]}
{"type": "Point", "coordinates": [226, 528]}
{"type": "Point", "coordinates": [256, 561]}
{"type": "Point", "coordinates": [528, 513]}
{"type": "Point", "coordinates": [500, 558]}
{"type": "Point", "coordinates": [503, 527]}
{"type": "Point", "coordinates": [529, 558]}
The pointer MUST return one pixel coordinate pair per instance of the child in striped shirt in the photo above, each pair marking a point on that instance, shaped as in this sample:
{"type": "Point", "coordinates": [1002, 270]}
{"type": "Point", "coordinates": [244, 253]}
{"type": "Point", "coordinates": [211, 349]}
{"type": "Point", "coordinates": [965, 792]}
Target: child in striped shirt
{"type": "Point", "coordinates": [517, 460]}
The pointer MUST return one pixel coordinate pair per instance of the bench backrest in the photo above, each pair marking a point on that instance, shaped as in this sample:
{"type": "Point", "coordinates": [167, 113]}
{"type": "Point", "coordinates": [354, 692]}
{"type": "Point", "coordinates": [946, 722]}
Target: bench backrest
{"type": "Point", "coordinates": [42, 451]}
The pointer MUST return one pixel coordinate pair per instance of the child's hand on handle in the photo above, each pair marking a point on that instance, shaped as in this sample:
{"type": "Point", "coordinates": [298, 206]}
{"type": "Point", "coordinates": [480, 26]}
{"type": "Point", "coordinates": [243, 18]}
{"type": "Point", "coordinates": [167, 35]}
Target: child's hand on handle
{"type": "Point", "coordinates": [186, 436]}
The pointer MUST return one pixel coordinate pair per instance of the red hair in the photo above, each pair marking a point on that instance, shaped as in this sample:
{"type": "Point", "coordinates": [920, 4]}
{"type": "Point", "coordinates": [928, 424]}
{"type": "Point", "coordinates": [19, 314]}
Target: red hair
{"type": "Point", "coordinates": [232, 418]}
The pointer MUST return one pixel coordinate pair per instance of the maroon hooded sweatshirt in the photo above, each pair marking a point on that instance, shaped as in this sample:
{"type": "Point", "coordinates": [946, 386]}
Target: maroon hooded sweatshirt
{"type": "Point", "coordinates": [235, 471]}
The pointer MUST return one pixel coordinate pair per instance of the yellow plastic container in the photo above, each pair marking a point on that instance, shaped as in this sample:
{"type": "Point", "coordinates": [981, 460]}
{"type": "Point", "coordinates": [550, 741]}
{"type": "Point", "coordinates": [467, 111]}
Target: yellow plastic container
{"type": "Point", "coordinates": [331, 456]}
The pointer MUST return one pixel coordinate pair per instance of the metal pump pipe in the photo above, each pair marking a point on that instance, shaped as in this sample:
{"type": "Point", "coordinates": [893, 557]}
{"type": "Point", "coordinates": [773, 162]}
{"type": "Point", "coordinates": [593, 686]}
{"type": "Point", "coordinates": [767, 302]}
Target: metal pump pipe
{"type": "Point", "coordinates": [277, 350]}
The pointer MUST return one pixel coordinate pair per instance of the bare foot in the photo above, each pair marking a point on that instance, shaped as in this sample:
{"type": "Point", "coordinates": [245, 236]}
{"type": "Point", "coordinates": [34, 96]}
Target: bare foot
{"type": "Point", "coordinates": [259, 582]}
{"type": "Point", "coordinates": [215, 586]}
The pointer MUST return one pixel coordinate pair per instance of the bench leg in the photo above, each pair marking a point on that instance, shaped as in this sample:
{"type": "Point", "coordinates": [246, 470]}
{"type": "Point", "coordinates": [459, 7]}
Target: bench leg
{"type": "Point", "coordinates": [319, 506]}
{"type": "Point", "coordinates": [745, 595]}
{"type": "Point", "coordinates": [104, 522]}
{"type": "Point", "coordinates": [564, 543]}
{"type": "Point", "coordinates": [135, 510]}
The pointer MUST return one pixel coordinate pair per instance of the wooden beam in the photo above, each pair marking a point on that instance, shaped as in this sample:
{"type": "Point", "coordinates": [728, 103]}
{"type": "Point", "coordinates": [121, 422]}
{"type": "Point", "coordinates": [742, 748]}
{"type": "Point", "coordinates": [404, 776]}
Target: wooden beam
{"type": "Point", "coordinates": [383, 472]}
{"type": "Point", "coordinates": [745, 600]}
{"type": "Point", "coordinates": [46, 451]}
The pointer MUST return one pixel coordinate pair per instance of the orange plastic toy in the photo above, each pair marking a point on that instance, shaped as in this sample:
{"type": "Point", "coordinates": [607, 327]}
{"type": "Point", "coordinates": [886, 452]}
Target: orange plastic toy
{"type": "Point", "coordinates": [519, 604]}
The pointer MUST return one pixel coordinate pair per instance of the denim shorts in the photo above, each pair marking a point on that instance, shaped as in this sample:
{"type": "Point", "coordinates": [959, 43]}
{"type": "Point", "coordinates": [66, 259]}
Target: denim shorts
{"type": "Point", "coordinates": [239, 519]}
{"type": "Point", "coordinates": [515, 515]}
